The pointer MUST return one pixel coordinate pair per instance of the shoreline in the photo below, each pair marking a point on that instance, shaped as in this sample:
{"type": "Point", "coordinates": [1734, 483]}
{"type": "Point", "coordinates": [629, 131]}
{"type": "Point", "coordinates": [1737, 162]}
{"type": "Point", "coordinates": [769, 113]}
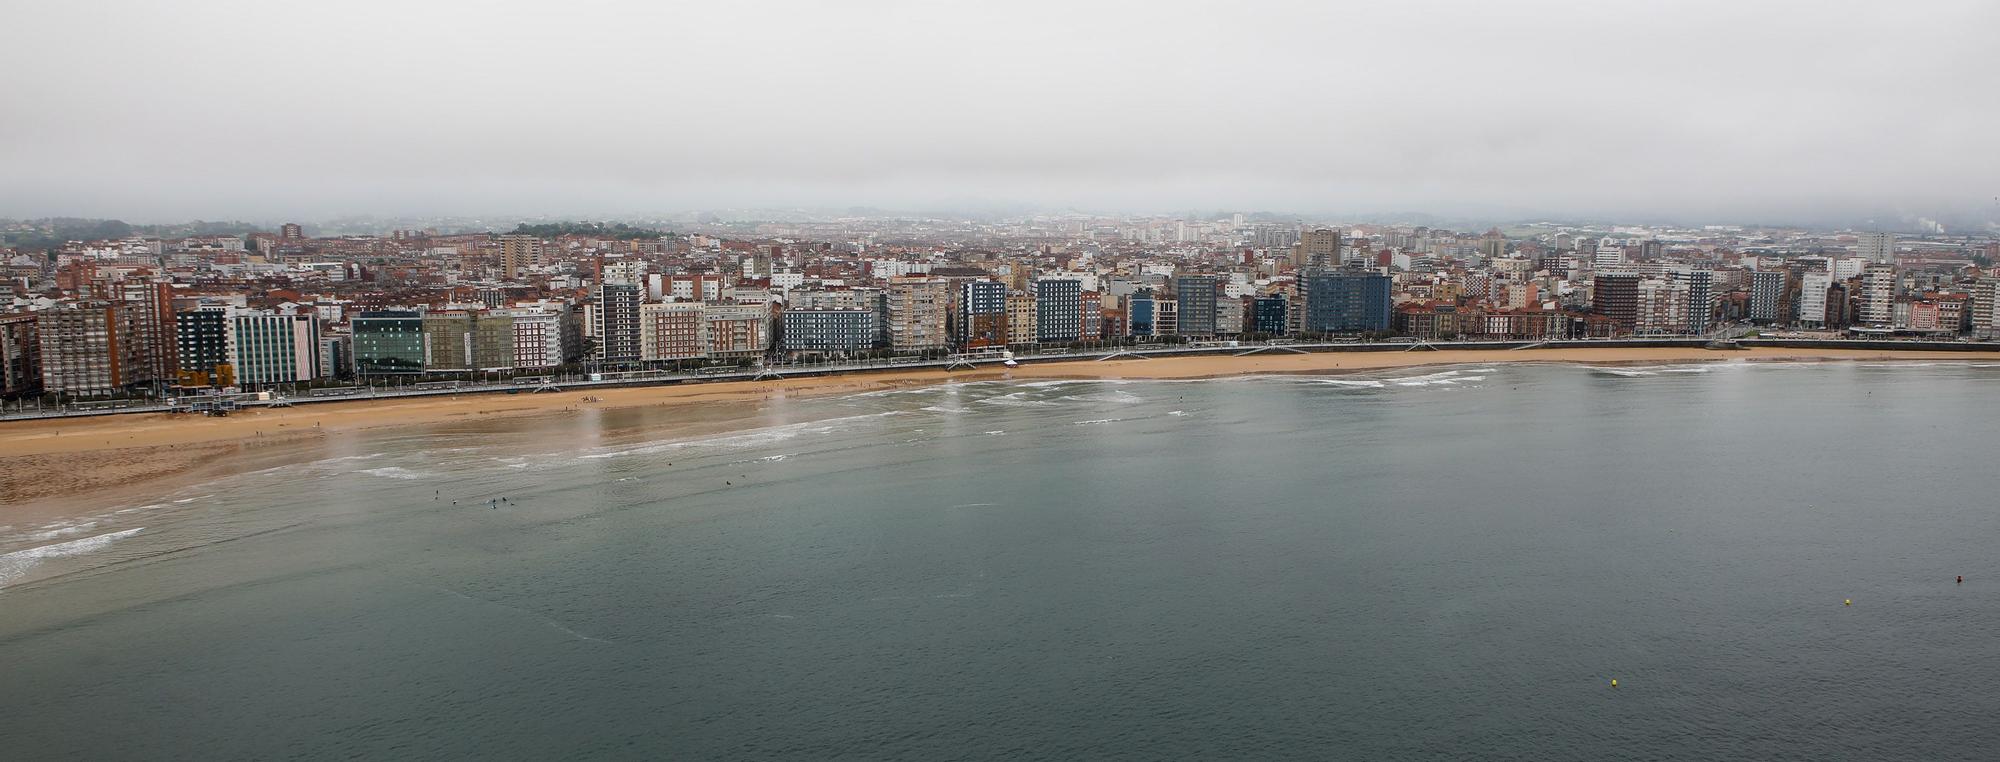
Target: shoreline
{"type": "Point", "coordinates": [50, 463]}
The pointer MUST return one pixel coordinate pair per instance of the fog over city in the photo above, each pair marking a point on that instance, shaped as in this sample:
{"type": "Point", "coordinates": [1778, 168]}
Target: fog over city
{"type": "Point", "coordinates": [1722, 110]}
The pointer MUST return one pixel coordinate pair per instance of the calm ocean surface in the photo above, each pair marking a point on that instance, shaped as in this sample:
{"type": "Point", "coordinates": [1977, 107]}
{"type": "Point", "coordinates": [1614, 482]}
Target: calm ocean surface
{"type": "Point", "coordinates": [1419, 564]}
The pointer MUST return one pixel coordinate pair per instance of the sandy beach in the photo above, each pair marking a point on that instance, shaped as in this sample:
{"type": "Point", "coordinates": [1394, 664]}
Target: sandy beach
{"type": "Point", "coordinates": [50, 462]}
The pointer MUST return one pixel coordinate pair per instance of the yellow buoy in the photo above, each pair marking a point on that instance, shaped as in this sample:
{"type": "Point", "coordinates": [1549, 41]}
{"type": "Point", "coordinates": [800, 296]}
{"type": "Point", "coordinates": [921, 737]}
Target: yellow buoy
{"type": "Point", "coordinates": [1847, 602]}
{"type": "Point", "coordinates": [1614, 682]}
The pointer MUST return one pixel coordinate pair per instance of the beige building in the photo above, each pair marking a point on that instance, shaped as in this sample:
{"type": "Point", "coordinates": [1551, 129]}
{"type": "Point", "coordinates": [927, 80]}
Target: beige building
{"type": "Point", "coordinates": [737, 330]}
{"type": "Point", "coordinates": [671, 331]}
{"type": "Point", "coordinates": [916, 308]}
{"type": "Point", "coordinates": [1022, 326]}
{"type": "Point", "coordinates": [518, 253]}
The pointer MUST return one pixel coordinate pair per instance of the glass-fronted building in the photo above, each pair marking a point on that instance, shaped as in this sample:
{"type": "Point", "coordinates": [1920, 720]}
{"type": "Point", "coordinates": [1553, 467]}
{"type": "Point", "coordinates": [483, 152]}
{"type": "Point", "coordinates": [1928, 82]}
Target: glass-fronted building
{"type": "Point", "coordinates": [388, 342]}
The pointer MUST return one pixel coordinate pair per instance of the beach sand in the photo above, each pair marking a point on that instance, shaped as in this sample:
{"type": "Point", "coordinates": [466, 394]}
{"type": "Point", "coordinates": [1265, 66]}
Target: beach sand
{"type": "Point", "coordinates": [47, 464]}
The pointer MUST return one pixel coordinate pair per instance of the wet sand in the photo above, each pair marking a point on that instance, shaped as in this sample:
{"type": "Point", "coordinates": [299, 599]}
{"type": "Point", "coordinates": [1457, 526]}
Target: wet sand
{"type": "Point", "coordinates": [47, 464]}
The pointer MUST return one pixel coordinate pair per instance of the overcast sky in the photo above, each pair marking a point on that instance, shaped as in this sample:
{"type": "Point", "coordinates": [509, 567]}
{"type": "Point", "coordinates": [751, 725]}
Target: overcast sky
{"type": "Point", "coordinates": [264, 109]}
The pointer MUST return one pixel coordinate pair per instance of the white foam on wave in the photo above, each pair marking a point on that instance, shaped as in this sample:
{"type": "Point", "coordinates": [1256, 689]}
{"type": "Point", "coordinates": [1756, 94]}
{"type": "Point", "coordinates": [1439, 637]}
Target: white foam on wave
{"type": "Point", "coordinates": [63, 530]}
{"type": "Point", "coordinates": [947, 409]}
{"type": "Point", "coordinates": [1014, 400]}
{"type": "Point", "coordinates": [347, 458]}
{"type": "Point", "coordinates": [15, 565]}
{"type": "Point", "coordinates": [1442, 378]}
{"type": "Point", "coordinates": [1095, 421]}
{"type": "Point", "coordinates": [1641, 371]}
{"type": "Point", "coordinates": [394, 472]}
{"type": "Point", "coordinates": [1427, 377]}
{"type": "Point", "coordinates": [932, 389]}
{"type": "Point", "coordinates": [744, 440]}
{"type": "Point", "coordinates": [1062, 382]}
{"type": "Point", "coordinates": [1118, 396]}
{"type": "Point", "coordinates": [1352, 383]}
{"type": "Point", "coordinates": [1626, 372]}
{"type": "Point", "coordinates": [1177, 413]}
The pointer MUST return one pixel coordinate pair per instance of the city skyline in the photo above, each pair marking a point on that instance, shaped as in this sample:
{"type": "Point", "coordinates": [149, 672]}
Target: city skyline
{"type": "Point", "coordinates": [1710, 110]}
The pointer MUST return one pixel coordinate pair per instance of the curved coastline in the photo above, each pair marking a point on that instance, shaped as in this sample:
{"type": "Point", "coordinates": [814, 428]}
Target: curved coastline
{"type": "Point", "coordinates": [51, 462]}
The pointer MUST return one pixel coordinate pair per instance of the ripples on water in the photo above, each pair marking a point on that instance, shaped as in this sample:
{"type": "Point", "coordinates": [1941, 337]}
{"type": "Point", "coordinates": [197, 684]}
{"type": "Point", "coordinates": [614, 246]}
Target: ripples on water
{"type": "Point", "coordinates": [1420, 563]}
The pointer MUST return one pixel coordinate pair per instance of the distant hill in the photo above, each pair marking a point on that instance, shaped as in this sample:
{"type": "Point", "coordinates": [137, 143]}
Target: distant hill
{"type": "Point", "coordinates": [617, 231]}
{"type": "Point", "coordinates": [53, 232]}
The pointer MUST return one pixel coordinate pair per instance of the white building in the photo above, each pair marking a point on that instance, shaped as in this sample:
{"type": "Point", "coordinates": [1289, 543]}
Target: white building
{"type": "Point", "coordinates": [1812, 298]}
{"type": "Point", "coordinates": [1875, 247]}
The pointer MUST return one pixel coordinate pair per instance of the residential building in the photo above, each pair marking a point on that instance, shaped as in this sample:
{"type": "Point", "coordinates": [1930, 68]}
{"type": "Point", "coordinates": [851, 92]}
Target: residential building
{"type": "Point", "coordinates": [982, 314]}
{"type": "Point", "coordinates": [615, 323]}
{"type": "Point", "coordinates": [916, 314]}
{"type": "Point", "coordinates": [838, 332]}
{"type": "Point", "coordinates": [1616, 297]}
{"type": "Point", "coordinates": [1343, 301]}
{"type": "Point", "coordinates": [1879, 248]}
{"type": "Point", "coordinates": [202, 338]}
{"type": "Point", "coordinates": [1021, 319]}
{"type": "Point", "coordinates": [672, 332]}
{"type": "Point", "coordinates": [20, 356]}
{"type": "Point", "coordinates": [1197, 304]}
{"type": "Point", "coordinates": [86, 349]}
{"type": "Point", "coordinates": [1878, 294]}
{"type": "Point", "coordinates": [741, 331]}
{"type": "Point", "coordinates": [1058, 310]}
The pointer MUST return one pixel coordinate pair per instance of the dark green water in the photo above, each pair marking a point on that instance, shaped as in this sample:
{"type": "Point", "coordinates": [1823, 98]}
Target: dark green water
{"type": "Point", "coordinates": [1450, 566]}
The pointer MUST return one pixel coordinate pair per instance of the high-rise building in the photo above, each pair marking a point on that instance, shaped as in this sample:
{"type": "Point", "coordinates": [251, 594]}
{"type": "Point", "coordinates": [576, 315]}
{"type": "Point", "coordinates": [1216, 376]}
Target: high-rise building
{"type": "Point", "coordinates": [291, 231]}
{"type": "Point", "coordinates": [1878, 294]}
{"type": "Point", "coordinates": [1875, 247]}
{"type": "Point", "coordinates": [1700, 299]}
{"type": "Point", "coordinates": [518, 253]}
{"type": "Point", "coordinates": [87, 348]}
{"type": "Point", "coordinates": [201, 337]}
{"type": "Point", "coordinates": [1662, 307]}
{"type": "Point", "coordinates": [1813, 287]}
{"type": "Point", "coordinates": [1317, 248]}
{"type": "Point", "coordinates": [1339, 301]}
{"type": "Point", "coordinates": [982, 314]}
{"type": "Point", "coordinates": [388, 343]}
{"type": "Point", "coordinates": [1139, 313]}
{"type": "Point", "coordinates": [1021, 328]}
{"type": "Point", "coordinates": [615, 323]}
{"type": "Point", "coordinates": [915, 310]}
{"type": "Point", "coordinates": [1267, 315]}
{"type": "Point", "coordinates": [274, 349]}
{"type": "Point", "coordinates": [1493, 245]}
{"type": "Point", "coordinates": [1058, 310]}
{"type": "Point", "coordinates": [1767, 296]}
{"type": "Point", "coordinates": [154, 326]}
{"type": "Point", "coordinates": [1195, 295]}
{"type": "Point", "coordinates": [20, 356]}
{"type": "Point", "coordinates": [1986, 307]}
{"type": "Point", "coordinates": [1616, 297]}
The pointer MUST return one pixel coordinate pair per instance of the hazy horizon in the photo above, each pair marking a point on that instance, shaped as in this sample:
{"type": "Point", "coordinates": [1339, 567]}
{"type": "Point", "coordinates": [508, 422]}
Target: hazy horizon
{"type": "Point", "coordinates": [1705, 111]}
